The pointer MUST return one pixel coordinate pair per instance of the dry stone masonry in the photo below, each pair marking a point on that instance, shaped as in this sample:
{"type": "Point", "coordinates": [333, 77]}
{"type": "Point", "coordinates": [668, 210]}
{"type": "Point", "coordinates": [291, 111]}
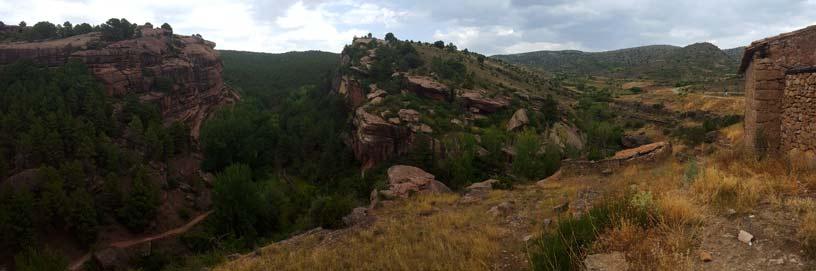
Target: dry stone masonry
{"type": "Point", "coordinates": [779, 92]}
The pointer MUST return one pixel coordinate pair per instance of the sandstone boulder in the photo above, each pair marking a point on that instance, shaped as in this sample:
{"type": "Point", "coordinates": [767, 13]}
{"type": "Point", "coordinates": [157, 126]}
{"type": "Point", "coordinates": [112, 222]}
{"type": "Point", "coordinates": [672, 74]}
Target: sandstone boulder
{"type": "Point", "coordinates": [406, 180]}
{"type": "Point", "coordinates": [475, 100]}
{"type": "Point", "coordinates": [518, 120]}
{"type": "Point", "coordinates": [427, 87]}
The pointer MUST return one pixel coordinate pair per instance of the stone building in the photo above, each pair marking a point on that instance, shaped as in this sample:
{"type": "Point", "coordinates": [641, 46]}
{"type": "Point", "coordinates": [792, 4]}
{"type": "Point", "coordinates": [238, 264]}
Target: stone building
{"type": "Point", "coordinates": [780, 93]}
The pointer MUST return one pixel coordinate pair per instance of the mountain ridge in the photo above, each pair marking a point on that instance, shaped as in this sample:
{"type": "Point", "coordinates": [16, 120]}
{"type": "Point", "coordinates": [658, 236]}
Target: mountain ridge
{"type": "Point", "coordinates": [695, 62]}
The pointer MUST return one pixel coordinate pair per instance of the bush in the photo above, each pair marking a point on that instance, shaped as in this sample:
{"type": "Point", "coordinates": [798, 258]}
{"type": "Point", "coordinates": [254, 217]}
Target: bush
{"type": "Point", "coordinates": [807, 234]}
{"type": "Point", "coordinates": [328, 211]}
{"type": "Point", "coordinates": [31, 259]}
{"type": "Point", "coordinates": [139, 206]}
{"type": "Point", "coordinates": [565, 247]}
{"type": "Point", "coordinates": [117, 29]}
{"type": "Point", "coordinates": [529, 163]}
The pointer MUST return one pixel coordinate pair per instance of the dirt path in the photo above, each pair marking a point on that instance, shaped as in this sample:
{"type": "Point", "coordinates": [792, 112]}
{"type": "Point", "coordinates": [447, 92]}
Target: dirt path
{"type": "Point", "coordinates": [77, 264]}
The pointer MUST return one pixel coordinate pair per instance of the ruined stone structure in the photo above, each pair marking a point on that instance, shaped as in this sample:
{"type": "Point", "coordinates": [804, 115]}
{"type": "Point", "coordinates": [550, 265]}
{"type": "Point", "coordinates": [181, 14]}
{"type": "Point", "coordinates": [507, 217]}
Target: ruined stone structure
{"type": "Point", "coordinates": [779, 91]}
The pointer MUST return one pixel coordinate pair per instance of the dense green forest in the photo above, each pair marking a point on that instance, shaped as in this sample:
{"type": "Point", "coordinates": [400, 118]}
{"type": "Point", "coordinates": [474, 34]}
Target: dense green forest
{"type": "Point", "coordinates": [71, 162]}
{"type": "Point", "coordinates": [282, 73]}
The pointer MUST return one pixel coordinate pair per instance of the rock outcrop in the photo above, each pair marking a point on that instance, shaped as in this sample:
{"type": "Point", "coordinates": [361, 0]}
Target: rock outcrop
{"type": "Point", "coordinates": [375, 140]}
{"type": "Point", "coordinates": [182, 74]}
{"type": "Point", "coordinates": [404, 181]}
{"type": "Point", "coordinates": [477, 103]}
{"type": "Point", "coordinates": [641, 155]}
{"type": "Point", "coordinates": [518, 120]}
{"type": "Point", "coordinates": [427, 87]}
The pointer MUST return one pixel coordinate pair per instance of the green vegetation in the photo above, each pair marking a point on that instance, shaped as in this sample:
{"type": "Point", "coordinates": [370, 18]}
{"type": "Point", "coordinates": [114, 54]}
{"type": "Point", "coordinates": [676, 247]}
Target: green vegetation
{"type": "Point", "coordinates": [112, 30]}
{"type": "Point", "coordinates": [565, 246]}
{"type": "Point", "coordinates": [58, 127]}
{"type": "Point", "coordinates": [529, 163]}
{"type": "Point", "coordinates": [270, 77]}
{"type": "Point", "coordinates": [696, 62]}
{"type": "Point", "coordinates": [596, 120]}
{"type": "Point", "coordinates": [40, 260]}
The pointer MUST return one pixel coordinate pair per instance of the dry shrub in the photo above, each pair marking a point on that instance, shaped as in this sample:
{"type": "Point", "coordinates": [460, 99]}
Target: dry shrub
{"type": "Point", "coordinates": [807, 234]}
{"type": "Point", "coordinates": [721, 189]}
{"type": "Point", "coordinates": [676, 209]}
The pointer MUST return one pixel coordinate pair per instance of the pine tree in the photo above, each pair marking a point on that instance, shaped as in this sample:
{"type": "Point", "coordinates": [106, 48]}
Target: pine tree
{"type": "Point", "coordinates": [139, 206]}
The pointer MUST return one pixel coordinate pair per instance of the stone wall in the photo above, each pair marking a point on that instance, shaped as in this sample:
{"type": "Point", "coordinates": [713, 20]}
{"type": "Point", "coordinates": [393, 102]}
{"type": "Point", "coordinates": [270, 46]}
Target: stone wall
{"type": "Point", "coordinates": [798, 135]}
{"type": "Point", "coordinates": [764, 65]}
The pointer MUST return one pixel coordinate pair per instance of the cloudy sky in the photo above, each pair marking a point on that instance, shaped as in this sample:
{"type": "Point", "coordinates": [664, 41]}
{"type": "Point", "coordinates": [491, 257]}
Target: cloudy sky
{"type": "Point", "coordinates": [486, 26]}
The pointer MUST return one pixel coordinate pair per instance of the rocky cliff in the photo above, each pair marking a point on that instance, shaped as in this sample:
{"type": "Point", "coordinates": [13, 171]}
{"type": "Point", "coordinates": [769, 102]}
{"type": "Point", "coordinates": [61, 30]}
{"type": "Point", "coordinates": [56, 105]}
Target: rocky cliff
{"type": "Point", "coordinates": [403, 95]}
{"type": "Point", "coordinates": [182, 74]}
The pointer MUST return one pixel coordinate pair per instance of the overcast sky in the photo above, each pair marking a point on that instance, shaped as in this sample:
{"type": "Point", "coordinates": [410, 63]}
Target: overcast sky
{"type": "Point", "coordinates": [489, 27]}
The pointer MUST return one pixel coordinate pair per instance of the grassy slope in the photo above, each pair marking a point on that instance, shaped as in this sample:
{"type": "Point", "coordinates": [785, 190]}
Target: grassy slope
{"type": "Point", "coordinates": [696, 62]}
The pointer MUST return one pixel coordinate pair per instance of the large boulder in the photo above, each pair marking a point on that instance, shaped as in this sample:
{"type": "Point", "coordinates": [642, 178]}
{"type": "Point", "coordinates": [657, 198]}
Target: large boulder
{"type": "Point", "coordinates": [427, 87]}
{"type": "Point", "coordinates": [518, 120]}
{"type": "Point", "coordinates": [405, 180]}
{"type": "Point", "coordinates": [475, 100]}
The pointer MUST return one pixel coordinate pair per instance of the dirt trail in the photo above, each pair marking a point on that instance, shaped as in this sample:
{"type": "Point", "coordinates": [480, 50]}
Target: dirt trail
{"type": "Point", "coordinates": [77, 264]}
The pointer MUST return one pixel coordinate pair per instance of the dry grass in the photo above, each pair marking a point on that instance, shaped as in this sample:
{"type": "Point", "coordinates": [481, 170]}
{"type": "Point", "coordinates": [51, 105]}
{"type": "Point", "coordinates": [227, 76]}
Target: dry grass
{"type": "Point", "coordinates": [401, 240]}
{"type": "Point", "coordinates": [677, 210]}
{"type": "Point", "coordinates": [807, 233]}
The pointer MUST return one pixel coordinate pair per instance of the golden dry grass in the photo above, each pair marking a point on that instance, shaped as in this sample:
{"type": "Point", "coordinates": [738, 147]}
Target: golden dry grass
{"type": "Point", "coordinates": [807, 233]}
{"type": "Point", "coordinates": [400, 240]}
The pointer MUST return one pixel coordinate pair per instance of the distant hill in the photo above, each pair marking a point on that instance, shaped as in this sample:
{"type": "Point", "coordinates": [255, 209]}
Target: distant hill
{"type": "Point", "coordinates": [696, 62]}
{"type": "Point", "coordinates": [281, 72]}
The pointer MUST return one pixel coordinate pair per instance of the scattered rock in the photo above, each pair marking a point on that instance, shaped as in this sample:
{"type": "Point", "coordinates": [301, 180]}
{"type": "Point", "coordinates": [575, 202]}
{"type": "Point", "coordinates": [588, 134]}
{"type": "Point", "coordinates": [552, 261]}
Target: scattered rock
{"type": "Point", "coordinates": [374, 198]}
{"type": "Point", "coordinates": [408, 115]}
{"type": "Point", "coordinates": [614, 261]}
{"type": "Point", "coordinates": [546, 222]}
{"type": "Point", "coordinates": [731, 211]}
{"type": "Point", "coordinates": [427, 87]}
{"type": "Point", "coordinates": [484, 185]}
{"type": "Point", "coordinates": [745, 237]}
{"type": "Point", "coordinates": [457, 122]}
{"type": "Point", "coordinates": [394, 120]}
{"type": "Point", "coordinates": [357, 216]}
{"type": "Point", "coordinates": [376, 94]}
{"type": "Point", "coordinates": [502, 209]}
{"type": "Point", "coordinates": [527, 237]}
{"type": "Point", "coordinates": [518, 120]}
{"type": "Point", "coordinates": [779, 261]}
{"type": "Point", "coordinates": [705, 256]}
{"type": "Point", "coordinates": [552, 178]}
{"type": "Point", "coordinates": [607, 171]}
{"type": "Point", "coordinates": [478, 103]}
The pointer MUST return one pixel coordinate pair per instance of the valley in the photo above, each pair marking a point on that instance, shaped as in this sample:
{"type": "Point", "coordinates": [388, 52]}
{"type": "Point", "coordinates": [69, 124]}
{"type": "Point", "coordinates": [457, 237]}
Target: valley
{"type": "Point", "coordinates": [132, 147]}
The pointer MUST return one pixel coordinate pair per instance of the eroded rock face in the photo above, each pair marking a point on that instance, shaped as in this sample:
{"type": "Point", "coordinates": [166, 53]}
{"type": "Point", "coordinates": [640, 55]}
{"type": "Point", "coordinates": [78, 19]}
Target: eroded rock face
{"type": "Point", "coordinates": [375, 140]}
{"type": "Point", "coordinates": [475, 99]}
{"type": "Point", "coordinates": [182, 74]}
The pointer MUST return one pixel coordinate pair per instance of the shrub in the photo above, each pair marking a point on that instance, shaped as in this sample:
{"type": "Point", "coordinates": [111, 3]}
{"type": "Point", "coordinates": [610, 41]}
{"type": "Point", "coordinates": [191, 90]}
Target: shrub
{"type": "Point", "coordinates": [807, 234]}
{"type": "Point", "coordinates": [328, 211]}
{"type": "Point", "coordinates": [31, 259]}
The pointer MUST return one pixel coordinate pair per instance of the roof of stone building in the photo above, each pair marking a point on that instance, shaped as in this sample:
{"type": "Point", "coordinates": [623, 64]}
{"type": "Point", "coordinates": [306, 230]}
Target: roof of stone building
{"type": "Point", "coordinates": [755, 46]}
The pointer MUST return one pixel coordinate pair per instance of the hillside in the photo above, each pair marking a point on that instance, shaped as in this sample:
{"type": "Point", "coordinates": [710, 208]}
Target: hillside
{"type": "Point", "coordinates": [696, 62]}
{"type": "Point", "coordinates": [283, 73]}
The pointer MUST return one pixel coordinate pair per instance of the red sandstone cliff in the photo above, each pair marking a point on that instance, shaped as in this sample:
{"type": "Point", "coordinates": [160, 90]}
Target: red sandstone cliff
{"type": "Point", "coordinates": [182, 74]}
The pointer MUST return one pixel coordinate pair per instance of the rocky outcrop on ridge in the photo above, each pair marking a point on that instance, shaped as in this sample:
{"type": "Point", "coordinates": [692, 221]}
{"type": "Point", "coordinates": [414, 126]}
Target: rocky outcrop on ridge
{"type": "Point", "coordinates": [182, 74]}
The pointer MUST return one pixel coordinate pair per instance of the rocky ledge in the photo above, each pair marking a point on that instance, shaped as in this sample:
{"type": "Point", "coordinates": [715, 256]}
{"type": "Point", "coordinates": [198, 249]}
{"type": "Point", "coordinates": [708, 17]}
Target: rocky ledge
{"type": "Point", "coordinates": [182, 74]}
